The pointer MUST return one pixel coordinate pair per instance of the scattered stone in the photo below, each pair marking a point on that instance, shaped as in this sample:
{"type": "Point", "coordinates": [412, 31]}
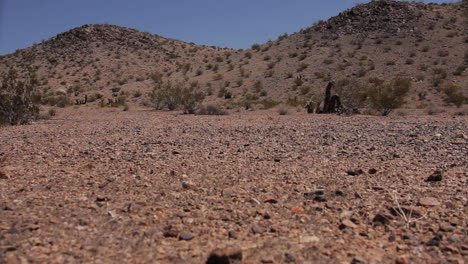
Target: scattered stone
{"type": "Point", "coordinates": [102, 199]}
{"type": "Point", "coordinates": [288, 258]}
{"type": "Point", "coordinates": [225, 256]}
{"type": "Point", "coordinates": [449, 248]}
{"type": "Point", "coordinates": [256, 229]}
{"type": "Point", "coordinates": [13, 231]}
{"type": "Point", "coordinates": [188, 185]}
{"type": "Point", "coordinates": [436, 176]}
{"type": "Point", "coordinates": [308, 239]}
{"type": "Point", "coordinates": [346, 223]}
{"type": "Point", "coordinates": [446, 227]}
{"type": "Point", "coordinates": [381, 219]}
{"type": "Point", "coordinates": [453, 239]}
{"type": "Point", "coordinates": [186, 237]}
{"type": "Point", "coordinates": [297, 210]}
{"type": "Point", "coordinates": [358, 260]}
{"type": "Point", "coordinates": [435, 241]}
{"type": "Point", "coordinates": [320, 198]}
{"type": "Point", "coordinates": [232, 235]}
{"type": "Point", "coordinates": [428, 201]}
{"type": "Point", "coordinates": [401, 260]}
{"type": "Point", "coordinates": [4, 175]}
{"type": "Point", "coordinates": [355, 172]}
{"type": "Point", "coordinates": [270, 200]}
{"type": "Point", "coordinates": [339, 193]}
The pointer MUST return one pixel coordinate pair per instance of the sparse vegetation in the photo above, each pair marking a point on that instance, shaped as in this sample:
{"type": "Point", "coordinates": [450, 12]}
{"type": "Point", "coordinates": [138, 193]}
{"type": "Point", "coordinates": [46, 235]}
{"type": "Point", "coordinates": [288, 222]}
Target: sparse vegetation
{"type": "Point", "coordinates": [16, 98]}
{"type": "Point", "coordinates": [210, 110]}
{"type": "Point", "coordinates": [387, 97]}
{"type": "Point", "coordinates": [454, 95]}
{"type": "Point", "coordinates": [174, 96]}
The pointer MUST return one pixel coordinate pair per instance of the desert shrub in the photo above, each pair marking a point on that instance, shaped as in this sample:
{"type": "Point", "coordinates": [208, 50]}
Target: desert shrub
{"type": "Point", "coordinates": [459, 70]}
{"type": "Point", "coordinates": [302, 67]}
{"type": "Point", "coordinates": [352, 92]}
{"type": "Point", "coordinates": [167, 95]}
{"type": "Point", "coordinates": [454, 95]}
{"type": "Point", "coordinates": [258, 86]}
{"type": "Point", "coordinates": [387, 97]}
{"type": "Point", "coordinates": [283, 111]}
{"type": "Point", "coordinates": [218, 77]}
{"type": "Point", "coordinates": [137, 94]}
{"type": "Point", "coordinates": [443, 53]}
{"type": "Point", "coordinates": [305, 90]}
{"type": "Point", "coordinates": [298, 81]}
{"type": "Point", "coordinates": [210, 110]}
{"type": "Point", "coordinates": [16, 98]}
{"type": "Point", "coordinates": [294, 101]}
{"type": "Point", "coordinates": [52, 112]}
{"type": "Point", "coordinates": [256, 47]}
{"type": "Point", "coordinates": [302, 57]}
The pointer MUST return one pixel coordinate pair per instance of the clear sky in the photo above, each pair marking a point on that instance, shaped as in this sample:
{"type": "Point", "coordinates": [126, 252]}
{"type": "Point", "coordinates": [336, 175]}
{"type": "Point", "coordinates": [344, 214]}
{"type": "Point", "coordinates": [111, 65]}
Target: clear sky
{"type": "Point", "coordinates": [224, 23]}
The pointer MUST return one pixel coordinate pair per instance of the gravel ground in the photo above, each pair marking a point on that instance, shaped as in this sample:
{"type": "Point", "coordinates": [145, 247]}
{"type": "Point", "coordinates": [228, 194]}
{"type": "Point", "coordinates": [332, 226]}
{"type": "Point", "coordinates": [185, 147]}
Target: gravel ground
{"type": "Point", "coordinates": [100, 186]}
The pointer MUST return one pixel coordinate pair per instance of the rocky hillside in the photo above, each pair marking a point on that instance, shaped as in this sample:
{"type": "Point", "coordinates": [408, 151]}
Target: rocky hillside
{"type": "Point", "coordinates": [425, 43]}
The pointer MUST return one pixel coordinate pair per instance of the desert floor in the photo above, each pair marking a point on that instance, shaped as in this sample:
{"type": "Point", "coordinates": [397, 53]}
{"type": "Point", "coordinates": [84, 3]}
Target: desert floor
{"type": "Point", "coordinates": [101, 186]}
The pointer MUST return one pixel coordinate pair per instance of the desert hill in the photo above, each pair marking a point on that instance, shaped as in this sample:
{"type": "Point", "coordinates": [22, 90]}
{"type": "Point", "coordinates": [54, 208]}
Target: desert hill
{"type": "Point", "coordinates": [425, 43]}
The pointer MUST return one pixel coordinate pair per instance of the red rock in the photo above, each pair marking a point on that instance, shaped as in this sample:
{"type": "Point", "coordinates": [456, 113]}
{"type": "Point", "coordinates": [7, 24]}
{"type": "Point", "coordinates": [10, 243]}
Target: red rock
{"type": "Point", "coordinates": [4, 175]}
{"type": "Point", "coordinates": [346, 223]}
{"type": "Point", "coordinates": [429, 201]}
{"type": "Point", "coordinates": [297, 210]}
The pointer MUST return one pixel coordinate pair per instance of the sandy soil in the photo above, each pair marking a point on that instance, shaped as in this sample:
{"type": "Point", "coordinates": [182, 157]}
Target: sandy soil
{"type": "Point", "coordinates": [95, 186]}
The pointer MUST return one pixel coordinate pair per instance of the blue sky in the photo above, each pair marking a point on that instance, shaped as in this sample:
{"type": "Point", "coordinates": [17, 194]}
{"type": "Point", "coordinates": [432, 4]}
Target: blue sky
{"type": "Point", "coordinates": [224, 23]}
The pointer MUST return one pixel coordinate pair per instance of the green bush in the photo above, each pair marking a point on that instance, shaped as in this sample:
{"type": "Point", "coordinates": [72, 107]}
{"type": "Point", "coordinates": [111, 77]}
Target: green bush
{"type": "Point", "coordinates": [454, 95]}
{"type": "Point", "coordinates": [172, 97]}
{"type": "Point", "coordinates": [211, 110]}
{"type": "Point", "coordinates": [16, 99]}
{"type": "Point", "coordinates": [387, 97]}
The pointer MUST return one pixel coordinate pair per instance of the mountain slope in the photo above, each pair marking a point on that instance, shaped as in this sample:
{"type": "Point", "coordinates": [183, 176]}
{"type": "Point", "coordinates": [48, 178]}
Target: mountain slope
{"type": "Point", "coordinates": [381, 39]}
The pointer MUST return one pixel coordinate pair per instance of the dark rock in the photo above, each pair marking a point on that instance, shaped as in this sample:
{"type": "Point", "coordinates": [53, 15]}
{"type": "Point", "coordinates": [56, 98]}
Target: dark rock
{"type": "Point", "coordinates": [381, 219]}
{"type": "Point", "coordinates": [186, 237]}
{"type": "Point", "coordinates": [355, 172]}
{"type": "Point", "coordinates": [446, 227]}
{"type": "Point", "coordinates": [288, 258]}
{"type": "Point", "coordinates": [435, 241]}
{"type": "Point", "coordinates": [320, 198]}
{"type": "Point", "coordinates": [102, 199]}
{"type": "Point", "coordinates": [225, 256]}
{"type": "Point", "coordinates": [435, 177]}
{"type": "Point", "coordinates": [270, 200]}
{"type": "Point", "coordinates": [232, 234]}
{"type": "Point", "coordinates": [13, 231]}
